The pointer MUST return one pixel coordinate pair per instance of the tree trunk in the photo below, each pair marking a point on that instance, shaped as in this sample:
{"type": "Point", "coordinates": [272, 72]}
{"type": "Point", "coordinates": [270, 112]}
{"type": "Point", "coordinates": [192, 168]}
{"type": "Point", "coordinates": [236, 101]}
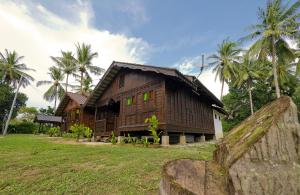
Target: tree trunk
{"type": "Point", "coordinates": [55, 98]}
{"type": "Point", "coordinates": [12, 107]}
{"type": "Point", "coordinates": [250, 96]}
{"type": "Point", "coordinates": [67, 82]}
{"type": "Point", "coordinates": [222, 90]}
{"type": "Point", "coordinates": [81, 84]}
{"type": "Point", "coordinates": [275, 68]}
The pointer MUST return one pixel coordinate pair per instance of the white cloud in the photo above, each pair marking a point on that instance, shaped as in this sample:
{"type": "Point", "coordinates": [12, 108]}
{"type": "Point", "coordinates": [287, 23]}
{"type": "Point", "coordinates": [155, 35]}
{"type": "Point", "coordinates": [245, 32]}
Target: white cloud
{"type": "Point", "coordinates": [192, 66]}
{"type": "Point", "coordinates": [37, 33]}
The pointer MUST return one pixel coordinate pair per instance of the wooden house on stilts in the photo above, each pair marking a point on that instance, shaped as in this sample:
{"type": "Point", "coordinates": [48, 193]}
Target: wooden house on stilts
{"type": "Point", "coordinates": [128, 93]}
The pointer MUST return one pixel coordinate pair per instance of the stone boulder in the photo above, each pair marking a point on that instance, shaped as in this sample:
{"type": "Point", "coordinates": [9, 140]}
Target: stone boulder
{"type": "Point", "coordinates": [259, 156]}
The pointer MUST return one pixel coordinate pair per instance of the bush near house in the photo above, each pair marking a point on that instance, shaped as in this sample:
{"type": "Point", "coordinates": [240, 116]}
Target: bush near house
{"type": "Point", "coordinates": [153, 126]}
{"type": "Point", "coordinates": [22, 127]}
{"type": "Point", "coordinates": [54, 132]}
{"type": "Point", "coordinates": [80, 130]}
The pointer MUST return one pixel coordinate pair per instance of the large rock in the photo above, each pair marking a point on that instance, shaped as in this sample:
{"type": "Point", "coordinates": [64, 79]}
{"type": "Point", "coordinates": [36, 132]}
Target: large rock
{"type": "Point", "coordinates": [259, 156]}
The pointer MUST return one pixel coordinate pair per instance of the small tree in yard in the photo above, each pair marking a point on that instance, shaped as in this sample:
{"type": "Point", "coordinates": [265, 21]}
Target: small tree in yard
{"type": "Point", "coordinates": [88, 133]}
{"type": "Point", "coordinates": [81, 130]}
{"type": "Point", "coordinates": [113, 139]}
{"type": "Point", "coordinates": [153, 125]}
{"type": "Point", "coordinates": [54, 131]}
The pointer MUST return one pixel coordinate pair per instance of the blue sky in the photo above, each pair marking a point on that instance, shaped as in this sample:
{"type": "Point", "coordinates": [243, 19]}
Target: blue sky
{"type": "Point", "coordinates": [163, 33]}
{"type": "Point", "coordinates": [175, 29]}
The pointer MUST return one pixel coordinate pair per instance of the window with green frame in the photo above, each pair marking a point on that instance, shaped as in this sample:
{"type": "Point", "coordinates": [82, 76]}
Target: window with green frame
{"type": "Point", "coordinates": [146, 96]}
{"type": "Point", "coordinates": [129, 101]}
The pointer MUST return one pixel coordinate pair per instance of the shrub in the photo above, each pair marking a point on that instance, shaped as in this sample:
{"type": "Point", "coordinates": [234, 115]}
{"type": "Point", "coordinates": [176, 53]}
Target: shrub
{"type": "Point", "coordinates": [153, 125]}
{"type": "Point", "coordinates": [88, 133]}
{"type": "Point", "coordinates": [80, 130]}
{"type": "Point", "coordinates": [54, 131]}
{"type": "Point", "coordinates": [145, 142]}
{"type": "Point", "coordinates": [129, 139]}
{"type": "Point", "coordinates": [113, 139]}
{"type": "Point", "coordinates": [23, 127]}
{"type": "Point", "coordinates": [77, 130]}
{"type": "Point", "coordinates": [123, 140]}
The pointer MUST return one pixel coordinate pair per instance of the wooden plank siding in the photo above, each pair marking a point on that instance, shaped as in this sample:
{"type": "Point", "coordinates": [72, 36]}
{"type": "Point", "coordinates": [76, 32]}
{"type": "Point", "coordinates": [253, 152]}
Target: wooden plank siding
{"type": "Point", "coordinates": [186, 112]}
{"type": "Point", "coordinates": [73, 113]}
{"type": "Point", "coordinates": [136, 83]}
{"type": "Point", "coordinates": [177, 108]}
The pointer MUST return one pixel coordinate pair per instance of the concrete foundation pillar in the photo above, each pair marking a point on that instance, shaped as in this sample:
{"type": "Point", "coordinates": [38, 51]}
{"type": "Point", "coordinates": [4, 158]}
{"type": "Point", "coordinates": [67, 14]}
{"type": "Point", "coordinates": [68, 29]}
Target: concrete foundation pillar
{"type": "Point", "coordinates": [202, 138]}
{"type": "Point", "coordinates": [120, 139]}
{"type": "Point", "coordinates": [165, 140]}
{"type": "Point", "coordinates": [182, 139]}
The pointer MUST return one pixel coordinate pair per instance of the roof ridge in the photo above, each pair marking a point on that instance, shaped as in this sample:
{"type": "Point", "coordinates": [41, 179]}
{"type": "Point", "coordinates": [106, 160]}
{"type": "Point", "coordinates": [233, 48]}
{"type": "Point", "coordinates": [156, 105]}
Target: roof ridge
{"type": "Point", "coordinates": [147, 65]}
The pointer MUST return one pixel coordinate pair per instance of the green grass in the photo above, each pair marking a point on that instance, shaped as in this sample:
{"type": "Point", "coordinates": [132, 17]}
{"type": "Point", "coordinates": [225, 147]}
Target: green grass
{"type": "Point", "coordinates": [35, 165]}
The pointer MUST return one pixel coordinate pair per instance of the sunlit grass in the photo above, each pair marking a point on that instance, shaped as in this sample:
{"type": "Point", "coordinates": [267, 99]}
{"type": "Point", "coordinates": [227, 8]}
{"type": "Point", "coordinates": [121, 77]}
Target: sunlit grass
{"type": "Point", "coordinates": [34, 165]}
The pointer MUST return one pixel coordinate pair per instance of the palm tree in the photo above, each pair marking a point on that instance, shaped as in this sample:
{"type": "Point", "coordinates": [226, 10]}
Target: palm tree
{"type": "Point", "coordinates": [67, 64]}
{"type": "Point", "coordinates": [56, 89]}
{"type": "Point", "coordinates": [277, 23]}
{"type": "Point", "coordinates": [11, 69]}
{"type": "Point", "coordinates": [84, 62]}
{"type": "Point", "coordinates": [87, 86]}
{"type": "Point", "coordinates": [248, 72]}
{"type": "Point", "coordinates": [224, 61]}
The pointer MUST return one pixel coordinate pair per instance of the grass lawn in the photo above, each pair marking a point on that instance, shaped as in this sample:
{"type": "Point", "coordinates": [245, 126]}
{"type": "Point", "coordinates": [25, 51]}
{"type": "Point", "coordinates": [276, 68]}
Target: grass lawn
{"type": "Point", "coordinates": [36, 165]}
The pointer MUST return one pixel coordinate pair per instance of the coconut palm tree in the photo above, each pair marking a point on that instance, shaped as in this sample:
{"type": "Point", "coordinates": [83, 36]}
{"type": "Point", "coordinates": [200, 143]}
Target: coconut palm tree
{"type": "Point", "coordinates": [277, 23]}
{"type": "Point", "coordinates": [87, 86]}
{"type": "Point", "coordinates": [67, 64]}
{"type": "Point", "coordinates": [224, 61]}
{"type": "Point", "coordinates": [11, 69]}
{"type": "Point", "coordinates": [248, 71]}
{"type": "Point", "coordinates": [56, 89]}
{"type": "Point", "coordinates": [84, 56]}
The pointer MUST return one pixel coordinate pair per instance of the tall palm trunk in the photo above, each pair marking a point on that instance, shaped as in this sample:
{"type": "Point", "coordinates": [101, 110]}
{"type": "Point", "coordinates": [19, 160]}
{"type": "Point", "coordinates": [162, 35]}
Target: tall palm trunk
{"type": "Point", "coordinates": [67, 82]}
{"type": "Point", "coordinates": [250, 95]}
{"type": "Point", "coordinates": [81, 82]}
{"type": "Point", "coordinates": [275, 68]}
{"type": "Point", "coordinates": [55, 97]}
{"type": "Point", "coordinates": [222, 89]}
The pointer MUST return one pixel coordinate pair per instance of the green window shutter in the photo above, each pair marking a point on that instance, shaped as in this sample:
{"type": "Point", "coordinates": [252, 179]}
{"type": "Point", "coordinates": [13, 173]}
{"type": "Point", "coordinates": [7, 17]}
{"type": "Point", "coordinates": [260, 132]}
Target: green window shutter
{"type": "Point", "coordinates": [129, 101]}
{"type": "Point", "coordinates": [146, 96]}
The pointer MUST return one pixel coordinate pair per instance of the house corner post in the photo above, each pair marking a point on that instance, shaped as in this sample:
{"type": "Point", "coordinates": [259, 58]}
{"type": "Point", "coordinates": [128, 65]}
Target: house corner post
{"type": "Point", "coordinates": [182, 139]}
{"type": "Point", "coordinates": [165, 139]}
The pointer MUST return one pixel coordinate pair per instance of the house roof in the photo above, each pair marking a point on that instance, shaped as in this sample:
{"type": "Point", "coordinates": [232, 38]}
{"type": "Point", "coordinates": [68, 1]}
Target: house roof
{"type": "Point", "coordinates": [42, 118]}
{"type": "Point", "coordinates": [115, 67]}
{"type": "Point", "coordinates": [220, 109]}
{"type": "Point", "coordinates": [78, 98]}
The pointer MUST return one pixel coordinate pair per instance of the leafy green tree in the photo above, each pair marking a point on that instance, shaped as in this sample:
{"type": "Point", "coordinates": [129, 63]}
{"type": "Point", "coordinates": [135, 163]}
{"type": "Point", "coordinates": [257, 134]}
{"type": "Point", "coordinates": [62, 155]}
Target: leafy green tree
{"type": "Point", "coordinates": [224, 61]}
{"type": "Point", "coordinates": [6, 98]}
{"type": "Point", "coordinates": [87, 86]}
{"type": "Point", "coordinates": [11, 69]}
{"type": "Point", "coordinates": [27, 113]}
{"type": "Point", "coordinates": [248, 72]}
{"type": "Point", "coordinates": [277, 23]}
{"type": "Point", "coordinates": [84, 56]}
{"type": "Point", "coordinates": [236, 102]}
{"type": "Point", "coordinates": [296, 98]}
{"type": "Point", "coordinates": [67, 64]}
{"type": "Point", "coordinates": [56, 90]}
{"type": "Point", "coordinates": [48, 111]}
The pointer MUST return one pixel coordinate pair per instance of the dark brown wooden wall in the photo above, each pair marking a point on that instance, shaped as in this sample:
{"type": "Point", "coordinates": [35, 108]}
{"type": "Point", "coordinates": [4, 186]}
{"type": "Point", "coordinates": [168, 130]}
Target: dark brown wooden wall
{"type": "Point", "coordinates": [187, 112]}
{"type": "Point", "coordinates": [135, 84]}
